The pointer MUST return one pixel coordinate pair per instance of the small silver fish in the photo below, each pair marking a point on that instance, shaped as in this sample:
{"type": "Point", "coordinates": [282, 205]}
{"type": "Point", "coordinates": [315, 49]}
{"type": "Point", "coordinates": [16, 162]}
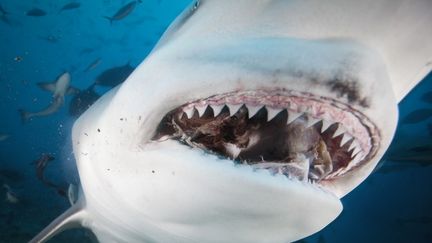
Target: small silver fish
{"type": "Point", "coordinates": [93, 65]}
{"type": "Point", "coordinates": [11, 197]}
{"type": "Point", "coordinates": [70, 6]}
{"type": "Point", "coordinates": [123, 12]}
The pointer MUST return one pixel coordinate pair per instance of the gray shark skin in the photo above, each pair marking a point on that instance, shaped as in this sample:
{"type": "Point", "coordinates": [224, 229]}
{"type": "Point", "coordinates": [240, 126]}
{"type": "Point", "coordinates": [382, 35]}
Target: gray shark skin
{"type": "Point", "coordinates": [59, 89]}
{"type": "Point", "coordinates": [248, 122]}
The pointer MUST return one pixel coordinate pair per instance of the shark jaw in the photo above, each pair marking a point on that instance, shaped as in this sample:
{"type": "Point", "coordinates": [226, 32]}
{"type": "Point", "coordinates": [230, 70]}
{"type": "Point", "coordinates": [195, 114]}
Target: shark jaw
{"type": "Point", "coordinates": [295, 134]}
{"type": "Point", "coordinates": [247, 155]}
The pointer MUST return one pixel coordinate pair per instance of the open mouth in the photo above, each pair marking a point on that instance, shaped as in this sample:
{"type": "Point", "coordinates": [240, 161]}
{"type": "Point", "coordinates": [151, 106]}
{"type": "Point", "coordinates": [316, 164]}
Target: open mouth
{"type": "Point", "coordinates": [299, 135]}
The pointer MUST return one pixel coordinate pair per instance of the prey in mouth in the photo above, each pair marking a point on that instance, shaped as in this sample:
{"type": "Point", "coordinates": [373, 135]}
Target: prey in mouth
{"type": "Point", "coordinates": [296, 134]}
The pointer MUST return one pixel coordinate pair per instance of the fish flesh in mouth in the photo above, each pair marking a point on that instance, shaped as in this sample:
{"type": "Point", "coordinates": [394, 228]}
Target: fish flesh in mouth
{"type": "Point", "coordinates": [296, 134]}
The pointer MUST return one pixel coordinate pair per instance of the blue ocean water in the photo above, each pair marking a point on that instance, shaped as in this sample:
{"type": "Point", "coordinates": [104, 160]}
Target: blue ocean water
{"type": "Point", "coordinates": [392, 205]}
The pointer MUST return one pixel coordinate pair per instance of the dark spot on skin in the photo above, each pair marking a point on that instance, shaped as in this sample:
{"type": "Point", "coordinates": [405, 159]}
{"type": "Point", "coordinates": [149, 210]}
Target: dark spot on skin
{"type": "Point", "coordinates": [108, 169]}
{"type": "Point", "coordinates": [86, 134]}
{"type": "Point", "coordinates": [121, 119]}
{"type": "Point", "coordinates": [153, 171]}
{"type": "Point", "coordinates": [98, 130]}
{"type": "Point", "coordinates": [349, 90]}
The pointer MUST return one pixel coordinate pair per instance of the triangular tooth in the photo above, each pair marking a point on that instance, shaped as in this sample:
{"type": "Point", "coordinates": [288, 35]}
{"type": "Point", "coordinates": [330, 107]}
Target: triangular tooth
{"type": "Point", "coordinates": [346, 137]}
{"type": "Point", "coordinates": [201, 109]}
{"type": "Point", "coordinates": [339, 131]}
{"type": "Point", "coordinates": [292, 116]}
{"type": "Point", "coordinates": [234, 108]}
{"type": "Point", "coordinates": [338, 172]}
{"type": "Point", "coordinates": [312, 121]}
{"type": "Point", "coordinates": [252, 110]}
{"type": "Point", "coordinates": [325, 125]}
{"type": "Point", "coordinates": [357, 149]}
{"type": "Point", "coordinates": [217, 109]}
{"type": "Point", "coordinates": [189, 112]}
{"type": "Point", "coordinates": [271, 112]}
{"type": "Point", "coordinates": [356, 159]}
{"type": "Point", "coordinates": [353, 145]}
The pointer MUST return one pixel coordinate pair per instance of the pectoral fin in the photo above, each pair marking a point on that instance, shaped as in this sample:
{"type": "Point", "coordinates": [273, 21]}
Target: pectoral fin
{"type": "Point", "coordinates": [72, 218]}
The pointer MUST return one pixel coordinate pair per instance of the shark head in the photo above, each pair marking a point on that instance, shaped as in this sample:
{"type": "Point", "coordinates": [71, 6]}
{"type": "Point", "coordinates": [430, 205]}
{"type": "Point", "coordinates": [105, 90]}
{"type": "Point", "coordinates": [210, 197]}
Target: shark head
{"type": "Point", "coordinates": [239, 127]}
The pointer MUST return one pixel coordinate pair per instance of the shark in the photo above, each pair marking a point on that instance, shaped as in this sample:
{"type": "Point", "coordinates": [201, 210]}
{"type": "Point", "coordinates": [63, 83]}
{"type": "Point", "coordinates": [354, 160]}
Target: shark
{"type": "Point", "coordinates": [248, 121]}
{"type": "Point", "coordinates": [59, 88]}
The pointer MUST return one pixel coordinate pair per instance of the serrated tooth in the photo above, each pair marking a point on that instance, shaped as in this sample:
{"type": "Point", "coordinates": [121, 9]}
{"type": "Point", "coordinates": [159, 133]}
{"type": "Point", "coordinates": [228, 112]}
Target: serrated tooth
{"type": "Point", "coordinates": [217, 109]}
{"type": "Point", "coordinates": [346, 137]}
{"type": "Point", "coordinates": [339, 131]}
{"type": "Point", "coordinates": [292, 116]}
{"type": "Point", "coordinates": [271, 112]}
{"type": "Point", "coordinates": [201, 109]}
{"type": "Point", "coordinates": [189, 112]}
{"type": "Point", "coordinates": [312, 121]}
{"type": "Point", "coordinates": [233, 108]}
{"type": "Point", "coordinates": [325, 125]}
{"type": "Point", "coordinates": [252, 110]}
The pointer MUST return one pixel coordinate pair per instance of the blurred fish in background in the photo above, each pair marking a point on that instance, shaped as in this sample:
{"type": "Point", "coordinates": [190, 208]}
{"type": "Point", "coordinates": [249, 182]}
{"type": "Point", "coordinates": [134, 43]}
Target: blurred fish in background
{"type": "Point", "coordinates": [115, 75]}
{"type": "Point", "coordinates": [36, 12]}
{"type": "Point", "coordinates": [123, 12]}
{"type": "Point", "coordinates": [70, 6]}
{"type": "Point", "coordinates": [82, 101]}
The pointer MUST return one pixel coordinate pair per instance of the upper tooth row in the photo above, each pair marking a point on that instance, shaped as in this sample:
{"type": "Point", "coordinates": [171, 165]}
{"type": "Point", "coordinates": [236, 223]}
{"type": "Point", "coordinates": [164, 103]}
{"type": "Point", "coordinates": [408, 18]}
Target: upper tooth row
{"type": "Point", "coordinates": [271, 113]}
{"type": "Point", "coordinates": [252, 110]}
